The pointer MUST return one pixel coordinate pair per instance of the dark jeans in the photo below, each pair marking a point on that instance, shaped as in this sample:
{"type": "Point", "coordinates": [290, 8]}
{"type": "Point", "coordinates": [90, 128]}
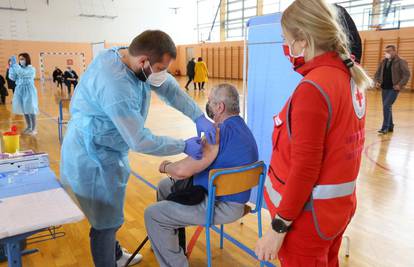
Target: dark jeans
{"type": "Point", "coordinates": [388, 99]}
{"type": "Point", "coordinates": [190, 79]}
{"type": "Point", "coordinates": [104, 247]}
{"type": "Point", "coordinates": [30, 121]}
{"type": "Point", "coordinates": [69, 85]}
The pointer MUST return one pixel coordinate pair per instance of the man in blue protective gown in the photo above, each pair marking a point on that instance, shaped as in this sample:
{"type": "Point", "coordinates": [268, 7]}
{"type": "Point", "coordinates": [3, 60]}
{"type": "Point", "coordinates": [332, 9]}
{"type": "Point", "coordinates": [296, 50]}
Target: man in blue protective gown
{"type": "Point", "coordinates": [108, 113]}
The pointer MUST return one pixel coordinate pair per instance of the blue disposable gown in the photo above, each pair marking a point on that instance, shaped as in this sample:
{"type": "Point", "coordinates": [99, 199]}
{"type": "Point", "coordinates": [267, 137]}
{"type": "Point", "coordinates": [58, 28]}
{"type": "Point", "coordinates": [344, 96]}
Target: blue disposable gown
{"type": "Point", "coordinates": [108, 113]}
{"type": "Point", "coordinates": [25, 95]}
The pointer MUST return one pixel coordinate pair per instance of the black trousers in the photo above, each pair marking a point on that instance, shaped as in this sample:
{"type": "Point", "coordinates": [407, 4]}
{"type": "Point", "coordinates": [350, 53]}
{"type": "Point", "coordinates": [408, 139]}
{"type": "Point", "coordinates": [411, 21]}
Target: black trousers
{"type": "Point", "coordinates": [69, 85]}
{"type": "Point", "coordinates": [190, 79]}
{"type": "Point", "coordinates": [201, 85]}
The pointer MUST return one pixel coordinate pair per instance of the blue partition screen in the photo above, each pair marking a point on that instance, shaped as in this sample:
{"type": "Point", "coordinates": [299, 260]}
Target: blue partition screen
{"type": "Point", "coordinates": [270, 80]}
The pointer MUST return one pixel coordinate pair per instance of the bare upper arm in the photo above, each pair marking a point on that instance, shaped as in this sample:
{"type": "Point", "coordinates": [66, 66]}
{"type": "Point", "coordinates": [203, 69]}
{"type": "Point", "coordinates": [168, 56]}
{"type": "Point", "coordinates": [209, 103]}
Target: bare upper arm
{"type": "Point", "coordinates": [188, 166]}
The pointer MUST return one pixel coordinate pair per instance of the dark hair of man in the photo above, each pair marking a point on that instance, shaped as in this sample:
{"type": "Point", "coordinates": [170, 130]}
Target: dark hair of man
{"type": "Point", "coordinates": [200, 59]}
{"type": "Point", "coordinates": [154, 44]}
{"type": "Point", "coordinates": [27, 58]}
{"type": "Point", "coordinates": [392, 46]}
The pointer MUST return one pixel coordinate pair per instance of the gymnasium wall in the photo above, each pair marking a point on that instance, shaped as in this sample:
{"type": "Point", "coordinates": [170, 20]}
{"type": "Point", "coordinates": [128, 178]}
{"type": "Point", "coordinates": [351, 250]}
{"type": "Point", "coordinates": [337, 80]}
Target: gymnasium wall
{"type": "Point", "coordinates": [54, 54]}
{"type": "Point", "coordinates": [225, 60]}
{"type": "Point", "coordinates": [374, 43]}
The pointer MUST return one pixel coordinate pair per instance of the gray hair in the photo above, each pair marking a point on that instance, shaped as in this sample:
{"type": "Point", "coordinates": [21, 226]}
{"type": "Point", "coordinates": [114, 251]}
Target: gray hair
{"type": "Point", "coordinates": [227, 94]}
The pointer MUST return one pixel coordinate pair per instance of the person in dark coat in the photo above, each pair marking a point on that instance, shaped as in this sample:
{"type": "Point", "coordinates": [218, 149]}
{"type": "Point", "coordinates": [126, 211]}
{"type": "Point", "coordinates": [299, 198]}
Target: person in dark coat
{"type": "Point", "coordinates": [191, 73]}
{"type": "Point", "coordinates": [352, 33]}
{"type": "Point", "coordinates": [58, 77]}
{"type": "Point", "coordinates": [10, 83]}
{"type": "Point", "coordinates": [70, 77]}
{"type": "Point", "coordinates": [3, 90]}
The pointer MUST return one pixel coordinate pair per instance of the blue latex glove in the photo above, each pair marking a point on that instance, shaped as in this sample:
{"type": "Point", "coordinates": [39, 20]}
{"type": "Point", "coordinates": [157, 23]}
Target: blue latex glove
{"type": "Point", "coordinates": [206, 126]}
{"type": "Point", "coordinates": [13, 60]}
{"type": "Point", "coordinates": [193, 148]}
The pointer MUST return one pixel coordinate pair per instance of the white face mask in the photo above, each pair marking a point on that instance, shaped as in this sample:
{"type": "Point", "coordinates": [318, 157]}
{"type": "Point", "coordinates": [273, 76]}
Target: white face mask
{"type": "Point", "coordinates": [157, 78]}
{"type": "Point", "coordinates": [22, 63]}
{"type": "Point", "coordinates": [302, 54]}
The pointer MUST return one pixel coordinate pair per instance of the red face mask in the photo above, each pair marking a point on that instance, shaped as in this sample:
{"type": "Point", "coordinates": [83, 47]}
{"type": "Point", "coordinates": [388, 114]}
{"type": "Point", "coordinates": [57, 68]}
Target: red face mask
{"type": "Point", "coordinates": [296, 61]}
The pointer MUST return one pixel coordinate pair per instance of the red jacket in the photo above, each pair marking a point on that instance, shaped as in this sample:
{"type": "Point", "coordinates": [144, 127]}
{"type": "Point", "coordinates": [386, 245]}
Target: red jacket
{"type": "Point", "coordinates": [317, 144]}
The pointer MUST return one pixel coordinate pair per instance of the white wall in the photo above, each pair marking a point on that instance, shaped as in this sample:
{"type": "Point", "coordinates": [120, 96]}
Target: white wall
{"type": "Point", "coordinates": [60, 20]}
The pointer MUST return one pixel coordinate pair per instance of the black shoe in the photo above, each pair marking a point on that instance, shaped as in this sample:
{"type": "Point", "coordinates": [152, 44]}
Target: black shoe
{"type": "Point", "coordinates": [391, 130]}
{"type": "Point", "coordinates": [382, 131]}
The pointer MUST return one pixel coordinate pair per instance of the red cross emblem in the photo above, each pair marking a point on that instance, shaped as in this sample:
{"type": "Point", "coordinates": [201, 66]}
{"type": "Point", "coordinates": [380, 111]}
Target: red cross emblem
{"type": "Point", "coordinates": [359, 97]}
{"type": "Point", "coordinates": [358, 100]}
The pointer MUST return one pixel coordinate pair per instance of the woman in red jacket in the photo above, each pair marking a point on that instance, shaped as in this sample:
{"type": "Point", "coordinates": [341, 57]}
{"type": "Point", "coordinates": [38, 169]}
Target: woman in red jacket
{"type": "Point", "coordinates": [317, 142]}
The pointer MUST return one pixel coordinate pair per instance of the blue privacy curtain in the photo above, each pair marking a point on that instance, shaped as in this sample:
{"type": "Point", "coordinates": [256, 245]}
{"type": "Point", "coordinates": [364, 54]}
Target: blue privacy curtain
{"type": "Point", "coordinates": [270, 80]}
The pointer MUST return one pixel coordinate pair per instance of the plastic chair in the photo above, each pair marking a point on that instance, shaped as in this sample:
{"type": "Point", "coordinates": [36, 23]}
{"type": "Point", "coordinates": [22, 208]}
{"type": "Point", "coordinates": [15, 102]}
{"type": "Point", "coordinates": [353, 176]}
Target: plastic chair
{"type": "Point", "coordinates": [61, 120]}
{"type": "Point", "coordinates": [230, 181]}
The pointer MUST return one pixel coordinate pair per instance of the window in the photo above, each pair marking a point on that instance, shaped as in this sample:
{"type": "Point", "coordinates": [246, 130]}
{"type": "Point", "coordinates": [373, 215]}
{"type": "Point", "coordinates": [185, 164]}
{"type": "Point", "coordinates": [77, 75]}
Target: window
{"type": "Point", "coordinates": [238, 13]}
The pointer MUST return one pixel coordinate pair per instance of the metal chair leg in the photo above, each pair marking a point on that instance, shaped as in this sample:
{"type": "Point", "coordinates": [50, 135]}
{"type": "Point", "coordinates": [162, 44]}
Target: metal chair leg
{"type": "Point", "coordinates": [208, 246]}
{"type": "Point", "coordinates": [221, 236]}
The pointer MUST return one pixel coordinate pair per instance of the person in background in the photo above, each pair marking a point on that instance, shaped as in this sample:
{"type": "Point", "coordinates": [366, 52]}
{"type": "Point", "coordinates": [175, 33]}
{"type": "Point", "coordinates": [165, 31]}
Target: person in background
{"type": "Point", "coordinates": [318, 139]}
{"type": "Point", "coordinates": [58, 77]}
{"type": "Point", "coordinates": [191, 73]}
{"type": "Point", "coordinates": [201, 73]}
{"type": "Point", "coordinates": [3, 90]}
{"type": "Point", "coordinates": [348, 24]}
{"type": "Point", "coordinates": [70, 77]}
{"type": "Point", "coordinates": [392, 75]}
{"type": "Point", "coordinates": [10, 83]}
{"type": "Point", "coordinates": [25, 100]}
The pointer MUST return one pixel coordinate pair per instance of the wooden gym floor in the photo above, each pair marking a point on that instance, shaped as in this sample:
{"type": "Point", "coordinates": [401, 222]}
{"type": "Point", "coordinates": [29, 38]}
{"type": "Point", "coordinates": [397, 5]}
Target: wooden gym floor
{"type": "Point", "coordinates": [382, 232]}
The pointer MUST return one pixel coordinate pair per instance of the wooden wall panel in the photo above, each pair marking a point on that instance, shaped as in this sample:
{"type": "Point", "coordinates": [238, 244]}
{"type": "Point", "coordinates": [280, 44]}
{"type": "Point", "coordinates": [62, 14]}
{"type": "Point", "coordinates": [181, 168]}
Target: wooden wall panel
{"type": "Point", "coordinates": [227, 62]}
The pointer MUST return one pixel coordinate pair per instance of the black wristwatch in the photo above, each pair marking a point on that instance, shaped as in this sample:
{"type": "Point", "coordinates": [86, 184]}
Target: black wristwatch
{"type": "Point", "coordinates": [279, 226]}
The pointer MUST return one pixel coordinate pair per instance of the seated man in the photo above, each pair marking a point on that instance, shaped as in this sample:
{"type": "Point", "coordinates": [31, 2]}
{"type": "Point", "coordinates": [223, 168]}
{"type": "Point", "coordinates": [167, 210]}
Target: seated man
{"type": "Point", "coordinates": [235, 147]}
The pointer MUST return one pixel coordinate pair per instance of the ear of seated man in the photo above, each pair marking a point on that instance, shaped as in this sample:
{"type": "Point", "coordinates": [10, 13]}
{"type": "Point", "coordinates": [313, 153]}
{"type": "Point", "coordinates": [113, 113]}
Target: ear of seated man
{"type": "Point", "coordinates": [188, 166]}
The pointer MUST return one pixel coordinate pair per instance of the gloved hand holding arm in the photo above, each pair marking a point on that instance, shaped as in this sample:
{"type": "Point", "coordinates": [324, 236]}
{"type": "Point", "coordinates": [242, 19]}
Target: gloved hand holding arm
{"type": "Point", "coordinates": [188, 167]}
{"type": "Point", "coordinates": [193, 148]}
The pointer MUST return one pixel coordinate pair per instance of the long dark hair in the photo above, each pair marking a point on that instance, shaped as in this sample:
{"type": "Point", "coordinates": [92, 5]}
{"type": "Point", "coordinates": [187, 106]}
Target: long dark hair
{"type": "Point", "coordinates": [27, 58]}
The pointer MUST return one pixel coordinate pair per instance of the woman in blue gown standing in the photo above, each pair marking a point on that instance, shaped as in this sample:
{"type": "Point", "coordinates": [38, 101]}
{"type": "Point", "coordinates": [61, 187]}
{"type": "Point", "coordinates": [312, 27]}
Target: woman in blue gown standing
{"type": "Point", "coordinates": [25, 100]}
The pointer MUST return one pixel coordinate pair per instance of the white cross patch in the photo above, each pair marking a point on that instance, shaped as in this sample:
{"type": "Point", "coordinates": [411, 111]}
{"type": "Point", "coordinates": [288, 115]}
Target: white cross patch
{"type": "Point", "coordinates": [358, 100]}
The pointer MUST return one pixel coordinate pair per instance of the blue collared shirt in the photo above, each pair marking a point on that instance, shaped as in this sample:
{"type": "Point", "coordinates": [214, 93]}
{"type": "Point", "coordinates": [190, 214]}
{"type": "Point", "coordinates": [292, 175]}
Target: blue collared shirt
{"type": "Point", "coordinates": [237, 148]}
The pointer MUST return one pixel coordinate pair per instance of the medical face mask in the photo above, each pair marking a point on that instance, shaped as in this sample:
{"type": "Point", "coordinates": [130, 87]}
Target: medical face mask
{"type": "Point", "coordinates": [22, 63]}
{"type": "Point", "coordinates": [209, 111]}
{"type": "Point", "coordinates": [296, 61]}
{"type": "Point", "coordinates": [157, 78]}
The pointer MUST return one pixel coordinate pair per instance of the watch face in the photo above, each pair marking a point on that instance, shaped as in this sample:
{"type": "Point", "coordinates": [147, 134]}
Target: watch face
{"type": "Point", "coordinates": [279, 226]}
